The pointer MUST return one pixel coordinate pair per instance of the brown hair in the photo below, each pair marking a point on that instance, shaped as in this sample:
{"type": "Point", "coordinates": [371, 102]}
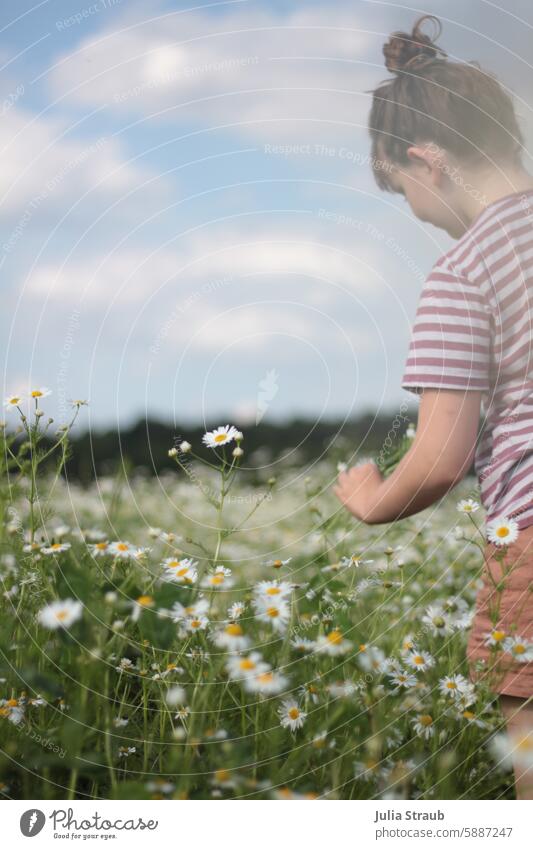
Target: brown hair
{"type": "Point", "coordinates": [456, 105]}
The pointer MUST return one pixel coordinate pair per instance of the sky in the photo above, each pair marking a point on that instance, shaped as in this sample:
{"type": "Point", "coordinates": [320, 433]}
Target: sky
{"type": "Point", "coordinates": [189, 227]}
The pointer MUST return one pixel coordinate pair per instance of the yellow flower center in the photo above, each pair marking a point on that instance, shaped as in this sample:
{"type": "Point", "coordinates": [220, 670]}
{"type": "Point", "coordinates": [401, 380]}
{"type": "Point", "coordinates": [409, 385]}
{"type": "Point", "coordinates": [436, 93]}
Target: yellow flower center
{"type": "Point", "coordinates": [265, 677]}
{"type": "Point", "coordinates": [362, 647]}
{"type": "Point", "coordinates": [272, 612]}
{"type": "Point", "coordinates": [293, 713]}
{"type": "Point", "coordinates": [468, 714]}
{"type": "Point", "coordinates": [195, 623]}
{"type": "Point", "coordinates": [234, 630]}
{"type": "Point", "coordinates": [101, 546]}
{"type": "Point", "coordinates": [418, 659]}
{"type": "Point", "coordinates": [221, 437]}
{"type": "Point", "coordinates": [525, 744]}
{"type": "Point", "coordinates": [273, 591]}
{"type": "Point", "coordinates": [425, 720]}
{"type": "Point", "coordinates": [61, 615]}
{"type": "Point", "coordinates": [451, 685]}
{"type": "Point", "coordinates": [222, 775]}
{"type": "Point", "coordinates": [121, 546]}
{"type": "Point", "coordinates": [182, 572]}
{"type": "Point", "coordinates": [56, 546]}
{"type": "Point", "coordinates": [217, 579]}
{"type": "Point", "coordinates": [335, 637]}
{"type": "Point", "coordinates": [36, 393]}
{"type": "Point", "coordinates": [519, 648]}
{"type": "Point", "coordinates": [144, 600]}
{"type": "Point", "coordinates": [246, 663]}
{"type": "Point", "coordinates": [277, 564]}
{"type": "Point", "coordinates": [502, 532]}
{"type": "Point", "coordinates": [497, 636]}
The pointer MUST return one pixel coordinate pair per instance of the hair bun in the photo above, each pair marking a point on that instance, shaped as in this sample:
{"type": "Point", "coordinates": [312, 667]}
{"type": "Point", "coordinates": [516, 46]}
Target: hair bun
{"type": "Point", "coordinates": [403, 50]}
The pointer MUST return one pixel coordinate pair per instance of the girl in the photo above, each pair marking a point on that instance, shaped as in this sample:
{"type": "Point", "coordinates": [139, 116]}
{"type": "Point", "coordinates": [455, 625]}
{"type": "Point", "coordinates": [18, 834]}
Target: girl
{"type": "Point", "coordinates": [453, 148]}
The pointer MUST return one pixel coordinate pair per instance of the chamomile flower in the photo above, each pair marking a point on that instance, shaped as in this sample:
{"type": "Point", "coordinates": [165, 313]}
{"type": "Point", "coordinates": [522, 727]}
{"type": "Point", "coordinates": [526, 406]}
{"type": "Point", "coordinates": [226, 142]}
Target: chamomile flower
{"type": "Point", "coordinates": [371, 659]}
{"type": "Point", "coordinates": [502, 531]}
{"type": "Point", "coordinates": [40, 392]}
{"type": "Point", "coordinates": [277, 564]}
{"type": "Point", "coordinates": [453, 685]}
{"type": "Point", "coordinates": [513, 747]}
{"type": "Point", "coordinates": [275, 611]}
{"type": "Point", "coordinates": [341, 689]}
{"type": "Point", "coordinates": [419, 660]}
{"type": "Point", "coordinates": [272, 589]}
{"type": "Point", "coordinates": [520, 649]}
{"type": "Point", "coordinates": [470, 718]}
{"type": "Point", "coordinates": [122, 550]}
{"type": "Point", "coordinates": [220, 578]}
{"type": "Point", "coordinates": [291, 715]}
{"type": "Point", "coordinates": [437, 620]}
{"type": "Point", "coordinates": [60, 614]}
{"type": "Point", "coordinates": [220, 436]}
{"type": "Point", "coordinates": [467, 505]}
{"type": "Point", "coordinates": [143, 602]}
{"type": "Point", "coordinates": [13, 401]}
{"type": "Point", "coordinates": [403, 678]}
{"type": "Point", "coordinates": [236, 610]}
{"type": "Point", "coordinates": [354, 560]}
{"type": "Point", "coordinates": [268, 682]}
{"type": "Point", "coordinates": [423, 725]}
{"type": "Point", "coordinates": [99, 549]}
{"type": "Point", "coordinates": [303, 645]}
{"type": "Point", "coordinates": [333, 643]}
{"type": "Point", "coordinates": [56, 548]}
{"type": "Point", "coordinates": [231, 637]}
{"type": "Point", "coordinates": [180, 571]}
{"type": "Point", "coordinates": [244, 666]}
{"type": "Point", "coordinates": [197, 609]}
{"type": "Point", "coordinates": [12, 710]}
{"type": "Point", "coordinates": [496, 637]}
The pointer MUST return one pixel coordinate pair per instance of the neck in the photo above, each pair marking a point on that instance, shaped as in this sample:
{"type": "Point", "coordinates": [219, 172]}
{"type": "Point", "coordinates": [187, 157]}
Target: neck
{"type": "Point", "coordinates": [492, 186]}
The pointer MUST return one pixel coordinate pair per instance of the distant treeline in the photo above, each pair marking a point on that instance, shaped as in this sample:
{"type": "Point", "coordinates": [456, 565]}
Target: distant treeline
{"type": "Point", "coordinates": [146, 444]}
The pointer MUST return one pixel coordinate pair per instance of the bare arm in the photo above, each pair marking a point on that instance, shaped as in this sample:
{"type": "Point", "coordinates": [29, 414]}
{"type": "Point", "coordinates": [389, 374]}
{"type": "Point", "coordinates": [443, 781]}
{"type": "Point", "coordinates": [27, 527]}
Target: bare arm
{"type": "Point", "coordinates": [440, 456]}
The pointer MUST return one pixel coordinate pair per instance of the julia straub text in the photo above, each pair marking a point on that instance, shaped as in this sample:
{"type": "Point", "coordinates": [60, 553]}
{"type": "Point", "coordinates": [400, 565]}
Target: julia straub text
{"type": "Point", "coordinates": [390, 814]}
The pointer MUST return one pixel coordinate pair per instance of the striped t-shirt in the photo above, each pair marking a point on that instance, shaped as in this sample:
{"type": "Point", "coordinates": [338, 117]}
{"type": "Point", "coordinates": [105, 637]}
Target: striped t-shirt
{"type": "Point", "coordinates": [473, 331]}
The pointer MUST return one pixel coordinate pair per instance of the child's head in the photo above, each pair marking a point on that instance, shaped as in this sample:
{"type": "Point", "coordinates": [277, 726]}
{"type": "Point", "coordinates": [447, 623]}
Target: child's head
{"type": "Point", "coordinates": [436, 125]}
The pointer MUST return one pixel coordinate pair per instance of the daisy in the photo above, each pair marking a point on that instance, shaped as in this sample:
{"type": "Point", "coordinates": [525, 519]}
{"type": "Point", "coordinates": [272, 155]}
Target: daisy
{"type": "Point", "coordinates": [371, 659]}
{"type": "Point", "coordinates": [514, 747]}
{"type": "Point", "coordinates": [12, 710]}
{"type": "Point", "coordinates": [236, 610]}
{"type": "Point", "coordinates": [220, 578]}
{"type": "Point", "coordinates": [231, 637]}
{"type": "Point", "coordinates": [291, 716]}
{"type": "Point", "coordinates": [437, 620]}
{"type": "Point", "coordinates": [180, 571]}
{"type": "Point", "coordinates": [333, 643]}
{"type": "Point", "coordinates": [502, 531]}
{"type": "Point", "coordinates": [453, 685]}
{"type": "Point", "coordinates": [471, 719]}
{"type": "Point", "coordinates": [198, 609]}
{"type": "Point", "coordinates": [354, 560]}
{"type": "Point", "coordinates": [303, 645]}
{"type": "Point", "coordinates": [495, 638]}
{"type": "Point", "coordinates": [274, 610]}
{"type": "Point", "coordinates": [56, 548]}
{"type": "Point", "coordinates": [143, 602]}
{"type": "Point", "coordinates": [268, 682]}
{"type": "Point", "coordinates": [244, 666]}
{"type": "Point", "coordinates": [408, 644]}
{"type": "Point", "coordinates": [402, 678]}
{"type": "Point", "coordinates": [277, 564]}
{"type": "Point", "coordinates": [126, 751]}
{"type": "Point", "coordinates": [341, 689]}
{"type": "Point", "coordinates": [220, 436]}
{"type": "Point", "coordinates": [196, 623]}
{"type": "Point", "coordinates": [13, 401]}
{"type": "Point", "coordinates": [39, 393]}
{"type": "Point", "coordinates": [419, 660]}
{"type": "Point", "coordinates": [467, 505]}
{"type": "Point", "coordinates": [273, 589]}
{"type": "Point", "coordinates": [60, 614]}
{"type": "Point", "coordinates": [423, 725]}
{"type": "Point", "coordinates": [125, 665]}
{"type": "Point", "coordinates": [520, 649]}
{"type": "Point", "coordinates": [99, 549]}
{"type": "Point", "coordinates": [122, 550]}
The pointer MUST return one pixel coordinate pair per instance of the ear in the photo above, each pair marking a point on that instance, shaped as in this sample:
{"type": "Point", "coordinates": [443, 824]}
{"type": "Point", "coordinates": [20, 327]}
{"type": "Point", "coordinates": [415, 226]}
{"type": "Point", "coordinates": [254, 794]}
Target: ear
{"type": "Point", "coordinates": [430, 157]}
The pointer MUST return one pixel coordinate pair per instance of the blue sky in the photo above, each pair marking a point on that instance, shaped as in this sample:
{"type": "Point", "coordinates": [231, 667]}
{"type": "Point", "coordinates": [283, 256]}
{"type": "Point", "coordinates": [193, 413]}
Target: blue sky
{"type": "Point", "coordinates": [187, 207]}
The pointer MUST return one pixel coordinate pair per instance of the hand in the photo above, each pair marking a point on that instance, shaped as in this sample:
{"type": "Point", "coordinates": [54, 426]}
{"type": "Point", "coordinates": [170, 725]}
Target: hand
{"type": "Point", "coordinates": [358, 488]}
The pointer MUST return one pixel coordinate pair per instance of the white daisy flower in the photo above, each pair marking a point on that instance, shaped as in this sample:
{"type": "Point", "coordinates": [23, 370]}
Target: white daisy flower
{"type": "Point", "coordinates": [41, 392]}
{"type": "Point", "coordinates": [471, 718]}
{"type": "Point", "coordinates": [520, 649]}
{"type": "Point", "coordinates": [402, 678]}
{"type": "Point", "coordinates": [236, 610]}
{"type": "Point", "coordinates": [196, 623]}
{"type": "Point", "coordinates": [13, 401]}
{"type": "Point", "coordinates": [273, 589]}
{"type": "Point", "coordinates": [198, 608]}
{"type": "Point", "coordinates": [419, 660]}
{"type": "Point", "coordinates": [180, 571]}
{"type": "Point", "coordinates": [423, 725]}
{"type": "Point", "coordinates": [12, 710]}
{"type": "Point", "coordinates": [303, 645]}
{"type": "Point", "coordinates": [468, 505]}
{"type": "Point", "coordinates": [219, 579]}
{"type": "Point", "coordinates": [354, 560]}
{"type": "Point", "coordinates": [291, 715]}
{"type": "Point", "coordinates": [143, 602]}
{"type": "Point", "coordinates": [371, 659]}
{"type": "Point", "coordinates": [126, 751]}
{"type": "Point", "coordinates": [439, 623]}
{"type": "Point", "coordinates": [231, 637]}
{"type": "Point", "coordinates": [122, 550]}
{"type": "Point", "coordinates": [56, 548]}
{"type": "Point", "coordinates": [60, 614]}
{"type": "Point", "coordinates": [454, 685]}
{"type": "Point", "coordinates": [496, 637]}
{"type": "Point", "coordinates": [513, 748]}
{"type": "Point", "coordinates": [341, 689]}
{"type": "Point", "coordinates": [244, 666]}
{"type": "Point", "coordinates": [277, 564]}
{"type": "Point", "coordinates": [99, 549]}
{"type": "Point", "coordinates": [276, 611]}
{"type": "Point", "coordinates": [502, 531]}
{"type": "Point", "coordinates": [333, 643]}
{"type": "Point", "coordinates": [185, 447]}
{"type": "Point", "coordinates": [220, 436]}
{"type": "Point", "coordinates": [268, 682]}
